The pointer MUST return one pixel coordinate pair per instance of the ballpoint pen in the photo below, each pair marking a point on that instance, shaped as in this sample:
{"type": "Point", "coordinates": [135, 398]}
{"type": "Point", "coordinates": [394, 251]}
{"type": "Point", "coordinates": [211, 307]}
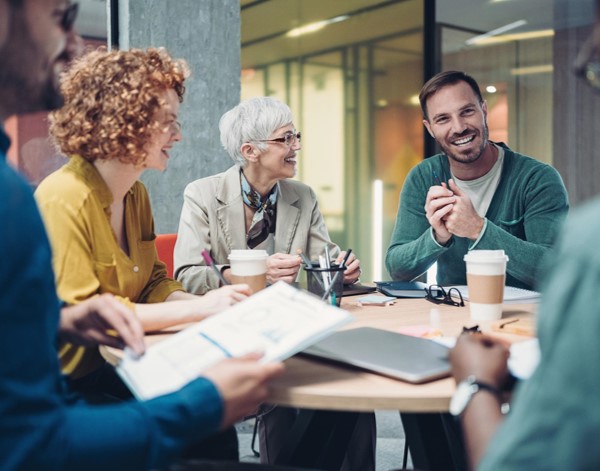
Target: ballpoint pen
{"type": "Point", "coordinates": [436, 178]}
{"type": "Point", "coordinates": [327, 263]}
{"type": "Point", "coordinates": [342, 266]}
{"type": "Point", "coordinates": [209, 261]}
{"type": "Point", "coordinates": [304, 258]}
{"type": "Point", "coordinates": [324, 270]}
{"type": "Point", "coordinates": [308, 266]}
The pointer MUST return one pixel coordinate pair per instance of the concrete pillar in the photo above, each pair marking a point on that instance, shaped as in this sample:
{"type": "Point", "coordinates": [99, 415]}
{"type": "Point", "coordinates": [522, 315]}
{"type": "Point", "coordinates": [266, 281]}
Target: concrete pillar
{"type": "Point", "coordinates": [206, 33]}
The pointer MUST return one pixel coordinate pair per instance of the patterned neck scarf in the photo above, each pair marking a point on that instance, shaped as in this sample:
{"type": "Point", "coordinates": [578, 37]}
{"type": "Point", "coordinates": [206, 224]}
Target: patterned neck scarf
{"type": "Point", "coordinates": [263, 222]}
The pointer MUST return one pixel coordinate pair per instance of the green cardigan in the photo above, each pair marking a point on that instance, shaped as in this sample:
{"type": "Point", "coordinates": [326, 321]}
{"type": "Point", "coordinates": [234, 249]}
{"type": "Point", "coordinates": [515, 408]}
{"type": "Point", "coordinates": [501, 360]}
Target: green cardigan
{"type": "Point", "coordinates": [524, 218]}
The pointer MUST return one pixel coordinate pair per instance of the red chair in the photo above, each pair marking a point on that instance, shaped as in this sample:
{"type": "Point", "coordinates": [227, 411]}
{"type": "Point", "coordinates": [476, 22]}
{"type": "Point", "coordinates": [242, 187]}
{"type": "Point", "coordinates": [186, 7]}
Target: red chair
{"type": "Point", "coordinates": [165, 244]}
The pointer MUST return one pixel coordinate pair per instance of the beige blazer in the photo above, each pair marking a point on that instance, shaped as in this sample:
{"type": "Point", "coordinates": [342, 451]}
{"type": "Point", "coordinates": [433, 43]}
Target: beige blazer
{"type": "Point", "coordinates": [212, 218]}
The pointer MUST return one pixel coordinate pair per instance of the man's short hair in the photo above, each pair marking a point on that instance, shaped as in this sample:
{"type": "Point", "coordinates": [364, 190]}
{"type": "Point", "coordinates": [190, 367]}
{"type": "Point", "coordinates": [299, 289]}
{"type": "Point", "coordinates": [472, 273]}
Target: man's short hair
{"type": "Point", "coordinates": [443, 79]}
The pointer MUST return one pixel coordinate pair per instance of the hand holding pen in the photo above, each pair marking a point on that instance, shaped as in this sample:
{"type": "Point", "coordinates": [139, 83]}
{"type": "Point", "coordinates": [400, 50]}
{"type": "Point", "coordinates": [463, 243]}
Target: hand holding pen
{"type": "Point", "coordinates": [305, 259]}
{"type": "Point", "coordinates": [438, 205]}
{"type": "Point", "coordinates": [353, 271]}
{"type": "Point", "coordinates": [436, 180]}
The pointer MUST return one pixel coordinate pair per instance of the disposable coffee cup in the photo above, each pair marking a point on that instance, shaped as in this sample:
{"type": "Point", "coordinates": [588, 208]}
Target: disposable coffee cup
{"type": "Point", "coordinates": [486, 276]}
{"type": "Point", "coordinates": [315, 282]}
{"type": "Point", "coordinates": [250, 267]}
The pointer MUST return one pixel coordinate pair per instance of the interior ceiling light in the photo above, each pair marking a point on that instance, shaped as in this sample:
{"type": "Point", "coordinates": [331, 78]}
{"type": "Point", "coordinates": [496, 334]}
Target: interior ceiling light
{"type": "Point", "coordinates": [542, 33]}
{"type": "Point", "coordinates": [313, 27]}
{"type": "Point", "coordinates": [495, 32]}
{"type": "Point", "coordinates": [491, 89]}
{"type": "Point", "coordinates": [414, 100]}
{"type": "Point", "coordinates": [532, 70]}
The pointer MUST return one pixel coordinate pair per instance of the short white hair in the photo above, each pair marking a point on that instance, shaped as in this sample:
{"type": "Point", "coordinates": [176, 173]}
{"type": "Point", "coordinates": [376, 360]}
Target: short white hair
{"type": "Point", "coordinates": [252, 120]}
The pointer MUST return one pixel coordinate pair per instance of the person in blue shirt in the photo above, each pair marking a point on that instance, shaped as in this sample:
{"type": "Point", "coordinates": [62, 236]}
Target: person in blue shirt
{"type": "Point", "coordinates": [43, 425]}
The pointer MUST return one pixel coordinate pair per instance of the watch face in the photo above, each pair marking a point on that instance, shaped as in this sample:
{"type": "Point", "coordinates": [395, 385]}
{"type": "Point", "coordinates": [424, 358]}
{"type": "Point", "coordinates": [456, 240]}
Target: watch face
{"type": "Point", "coordinates": [462, 396]}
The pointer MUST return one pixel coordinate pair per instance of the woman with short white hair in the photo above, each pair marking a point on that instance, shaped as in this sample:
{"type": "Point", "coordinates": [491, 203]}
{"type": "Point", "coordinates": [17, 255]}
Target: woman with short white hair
{"type": "Point", "coordinates": [254, 204]}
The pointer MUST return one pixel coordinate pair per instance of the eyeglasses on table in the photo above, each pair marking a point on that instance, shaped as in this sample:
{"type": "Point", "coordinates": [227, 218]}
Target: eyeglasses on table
{"type": "Point", "coordinates": [439, 295]}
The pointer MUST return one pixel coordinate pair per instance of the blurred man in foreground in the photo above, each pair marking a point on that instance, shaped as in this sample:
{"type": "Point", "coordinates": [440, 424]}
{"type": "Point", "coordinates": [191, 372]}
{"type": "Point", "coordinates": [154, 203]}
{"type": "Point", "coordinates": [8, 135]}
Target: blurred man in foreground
{"type": "Point", "coordinates": [555, 416]}
{"type": "Point", "coordinates": [43, 426]}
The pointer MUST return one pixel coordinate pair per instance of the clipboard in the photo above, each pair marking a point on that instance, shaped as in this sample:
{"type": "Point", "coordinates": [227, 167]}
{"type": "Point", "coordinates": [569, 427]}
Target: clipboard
{"type": "Point", "coordinates": [516, 325]}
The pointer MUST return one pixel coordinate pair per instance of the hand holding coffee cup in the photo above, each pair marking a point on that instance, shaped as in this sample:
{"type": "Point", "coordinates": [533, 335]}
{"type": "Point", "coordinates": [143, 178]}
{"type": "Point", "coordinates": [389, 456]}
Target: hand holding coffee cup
{"type": "Point", "coordinates": [250, 267]}
{"type": "Point", "coordinates": [486, 276]}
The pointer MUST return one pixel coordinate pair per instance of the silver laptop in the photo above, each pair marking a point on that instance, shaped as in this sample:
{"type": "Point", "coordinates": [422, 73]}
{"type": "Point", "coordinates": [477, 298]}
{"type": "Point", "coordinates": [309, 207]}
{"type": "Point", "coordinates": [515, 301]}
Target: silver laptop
{"type": "Point", "coordinates": [411, 359]}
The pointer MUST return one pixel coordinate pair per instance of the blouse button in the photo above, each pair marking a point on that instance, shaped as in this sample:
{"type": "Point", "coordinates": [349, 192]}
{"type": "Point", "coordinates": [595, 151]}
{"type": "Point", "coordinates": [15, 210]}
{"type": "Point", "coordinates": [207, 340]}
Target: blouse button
{"type": "Point", "coordinates": [136, 268]}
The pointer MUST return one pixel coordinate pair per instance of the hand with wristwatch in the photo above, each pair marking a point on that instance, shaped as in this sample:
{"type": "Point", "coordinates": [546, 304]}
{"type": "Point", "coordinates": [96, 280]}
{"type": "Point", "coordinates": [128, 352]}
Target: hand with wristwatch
{"type": "Point", "coordinates": [479, 364]}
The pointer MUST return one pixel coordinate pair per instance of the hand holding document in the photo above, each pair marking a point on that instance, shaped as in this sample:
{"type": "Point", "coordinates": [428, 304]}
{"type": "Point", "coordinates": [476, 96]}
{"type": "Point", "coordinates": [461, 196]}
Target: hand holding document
{"type": "Point", "coordinates": [279, 321]}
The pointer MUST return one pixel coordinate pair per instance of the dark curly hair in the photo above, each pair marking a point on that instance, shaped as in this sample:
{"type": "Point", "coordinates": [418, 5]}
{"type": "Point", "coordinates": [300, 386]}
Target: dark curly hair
{"type": "Point", "coordinates": [111, 99]}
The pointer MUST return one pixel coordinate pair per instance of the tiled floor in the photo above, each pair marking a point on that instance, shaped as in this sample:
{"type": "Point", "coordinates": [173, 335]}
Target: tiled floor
{"type": "Point", "coordinates": [390, 441]}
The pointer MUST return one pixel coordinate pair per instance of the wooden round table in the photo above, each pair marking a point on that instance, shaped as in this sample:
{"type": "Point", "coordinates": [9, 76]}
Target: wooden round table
{"type": "Point", "coordinates": [310, 383]}
{"type": "Point", "coordinates": [316, 384]}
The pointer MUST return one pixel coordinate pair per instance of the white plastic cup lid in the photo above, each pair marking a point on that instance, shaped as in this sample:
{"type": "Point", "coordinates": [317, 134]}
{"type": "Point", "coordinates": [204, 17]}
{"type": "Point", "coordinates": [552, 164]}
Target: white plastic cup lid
{"type": "Point", "coordinates": [485, 256]}
{"type": "Point", "coordinates": [248, 255]}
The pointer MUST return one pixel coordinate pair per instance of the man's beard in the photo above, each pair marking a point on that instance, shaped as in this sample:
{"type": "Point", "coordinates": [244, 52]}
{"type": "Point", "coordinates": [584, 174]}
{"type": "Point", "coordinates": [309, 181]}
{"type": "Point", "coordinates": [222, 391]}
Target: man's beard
{"type": "Point", "coordinates": [22, 90]}
{"type": "Point", "coordinates": [30, 97]}
{"type": "Point", "coordinates": [471, 157]}
{"type": "Point", "coordinates": [48, 98]}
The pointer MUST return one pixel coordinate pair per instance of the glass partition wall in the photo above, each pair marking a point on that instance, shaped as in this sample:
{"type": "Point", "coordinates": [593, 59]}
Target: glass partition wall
{"type": "Point", "coordinates": [351, 85]}
{"type": "Point", "coordinates": [515, 75]}
{"type": "Point", "coordinates": [352, 70]}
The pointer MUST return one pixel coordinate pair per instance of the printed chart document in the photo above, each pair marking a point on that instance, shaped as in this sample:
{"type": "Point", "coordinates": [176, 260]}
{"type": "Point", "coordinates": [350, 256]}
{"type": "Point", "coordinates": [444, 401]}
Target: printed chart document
{"type": "Point", "coordinates": [512, 295]}
{"type": "Point", "coordinates": [279, 321]}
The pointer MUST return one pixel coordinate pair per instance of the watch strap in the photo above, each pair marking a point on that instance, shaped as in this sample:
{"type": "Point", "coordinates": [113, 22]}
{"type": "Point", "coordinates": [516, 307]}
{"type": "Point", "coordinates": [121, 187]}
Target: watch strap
{"type": "Point", "coordinates": [465, 391]}
{"type": "Point", "coordinates": [486, 387]}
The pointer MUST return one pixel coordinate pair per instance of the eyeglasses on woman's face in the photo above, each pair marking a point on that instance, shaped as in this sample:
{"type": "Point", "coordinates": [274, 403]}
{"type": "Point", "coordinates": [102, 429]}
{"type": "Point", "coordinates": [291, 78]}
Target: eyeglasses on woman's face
{"type": "Point", "coordinates": [173, 127]}
{"type": "Point", "coordinates": [289, 138]}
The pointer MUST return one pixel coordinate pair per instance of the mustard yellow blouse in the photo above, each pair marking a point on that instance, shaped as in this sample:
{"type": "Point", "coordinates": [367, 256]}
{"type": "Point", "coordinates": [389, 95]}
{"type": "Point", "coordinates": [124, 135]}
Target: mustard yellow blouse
{"type": "Point", "coordinates": [75, 205]}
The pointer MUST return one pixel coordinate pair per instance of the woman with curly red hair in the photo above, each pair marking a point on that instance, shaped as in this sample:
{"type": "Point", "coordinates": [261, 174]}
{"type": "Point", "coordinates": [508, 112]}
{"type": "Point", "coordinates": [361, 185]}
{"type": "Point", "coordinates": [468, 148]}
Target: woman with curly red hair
{"type": "Point", "coordinates": [119, 119]}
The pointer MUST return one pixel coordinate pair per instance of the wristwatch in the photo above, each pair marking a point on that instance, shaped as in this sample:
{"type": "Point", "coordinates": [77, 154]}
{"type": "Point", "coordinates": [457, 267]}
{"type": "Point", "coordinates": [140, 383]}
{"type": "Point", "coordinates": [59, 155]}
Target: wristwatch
{"type": "Point", "coordinates": [465, 390]}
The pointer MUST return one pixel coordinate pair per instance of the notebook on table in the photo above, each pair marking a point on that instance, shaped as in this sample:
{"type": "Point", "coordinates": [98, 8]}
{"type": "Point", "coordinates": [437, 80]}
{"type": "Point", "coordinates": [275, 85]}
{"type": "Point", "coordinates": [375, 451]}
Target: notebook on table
{"type": "Point", "coordinates": [402, 289]}
{"type": "Point", "coordinates": [357, 288]}
{"type": "Point", "coordinates": [411, 359]}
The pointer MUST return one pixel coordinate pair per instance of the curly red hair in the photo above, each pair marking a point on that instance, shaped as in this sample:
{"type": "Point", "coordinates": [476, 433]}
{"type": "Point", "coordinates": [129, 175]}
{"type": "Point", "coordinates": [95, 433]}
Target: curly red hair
{"type": "Point", "coordinates": [111, 99]}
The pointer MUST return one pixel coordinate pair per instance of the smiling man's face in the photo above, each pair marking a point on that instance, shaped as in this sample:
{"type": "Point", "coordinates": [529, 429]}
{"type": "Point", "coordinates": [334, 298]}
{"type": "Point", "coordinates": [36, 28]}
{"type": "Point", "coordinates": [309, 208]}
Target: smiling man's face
{"type": "Point", "coordinates": [457, 121]}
